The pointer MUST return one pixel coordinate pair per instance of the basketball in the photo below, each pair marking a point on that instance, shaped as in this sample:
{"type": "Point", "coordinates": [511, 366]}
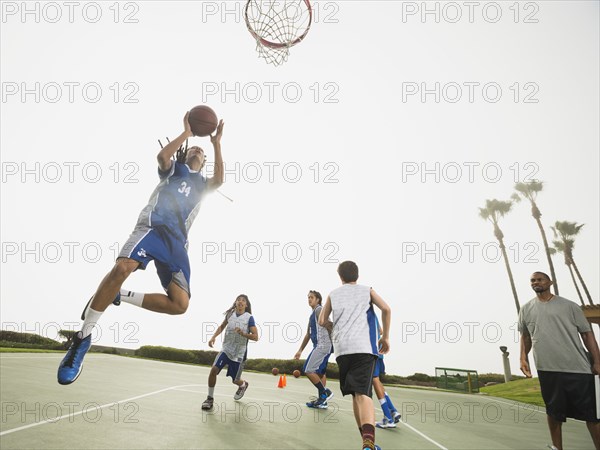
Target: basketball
{"type": "Point", "coordinates": [203, 120]}
{"type": "Point", "coordinates": [297, 373]}
{"type": "Point", "coordinates": [275, 371]}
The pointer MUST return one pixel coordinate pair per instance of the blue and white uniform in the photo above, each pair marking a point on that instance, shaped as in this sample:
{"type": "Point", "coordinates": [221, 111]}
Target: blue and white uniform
{"type": "Point", "coordinates": [354, 321]}
{"type": "Point", "coordinates": [162, 228]}
{"type": "Point", "coordinates": [322, 348]}
{"type": "Point", "coordinates": [379, 365]}
{"type": "Point", "coordinates": [235, 346]}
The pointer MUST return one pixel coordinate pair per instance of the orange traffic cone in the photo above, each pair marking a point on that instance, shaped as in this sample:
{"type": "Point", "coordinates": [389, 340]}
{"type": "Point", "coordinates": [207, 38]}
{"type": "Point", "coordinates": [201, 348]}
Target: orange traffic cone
{"type": "Point", "coordinates": [284, 380]}
{"type": "Point", "coordinates": [280, 384]}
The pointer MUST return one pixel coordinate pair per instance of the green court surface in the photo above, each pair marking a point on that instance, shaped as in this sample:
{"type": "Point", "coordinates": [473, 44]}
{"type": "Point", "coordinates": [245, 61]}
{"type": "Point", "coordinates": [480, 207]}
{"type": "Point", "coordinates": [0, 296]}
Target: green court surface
{"type": "Point", "coordinates": [123, 402]}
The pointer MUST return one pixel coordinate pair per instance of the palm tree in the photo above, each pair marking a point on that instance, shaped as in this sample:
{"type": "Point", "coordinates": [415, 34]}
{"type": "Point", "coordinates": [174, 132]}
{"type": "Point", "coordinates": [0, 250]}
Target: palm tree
{"type": "Point", "coordinates": [559, 246]}
{"type": "Point", "coordinates": [530, 191]}
{"type": "Point", "coordinates": [565, 232]}
{"type": "Point", "coordinates": [494, 209]}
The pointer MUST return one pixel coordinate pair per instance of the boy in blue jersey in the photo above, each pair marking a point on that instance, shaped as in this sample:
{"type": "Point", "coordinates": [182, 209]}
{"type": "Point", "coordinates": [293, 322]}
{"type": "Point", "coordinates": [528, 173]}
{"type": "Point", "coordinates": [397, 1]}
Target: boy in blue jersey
{"type": "Point", "coordinates": [315, 366]}
{"type": "Point", "coordinates": [160, 235]}
{"type": "Point", "coordinates": [354, 337]}
{"type": "Point", "coordinates": [239, 327]}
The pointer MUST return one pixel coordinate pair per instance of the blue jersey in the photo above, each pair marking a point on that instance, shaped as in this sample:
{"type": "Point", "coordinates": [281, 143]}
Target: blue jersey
{"type": "Point", "coordinates": [318, 334]}
{"type": "Point", "coordinates": [175, 202]}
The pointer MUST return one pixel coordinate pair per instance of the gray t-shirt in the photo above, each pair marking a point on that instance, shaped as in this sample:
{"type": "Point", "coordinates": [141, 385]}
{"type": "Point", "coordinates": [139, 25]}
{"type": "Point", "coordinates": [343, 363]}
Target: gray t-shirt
{"type": "Point", "coordinates": [554, 327]}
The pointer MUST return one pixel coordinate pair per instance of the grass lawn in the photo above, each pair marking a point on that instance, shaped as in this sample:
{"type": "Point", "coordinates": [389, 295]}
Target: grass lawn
{"type": "Point", "coordinates": [28, 350]}
{"type": "Point", "coordinates": [526, 391]}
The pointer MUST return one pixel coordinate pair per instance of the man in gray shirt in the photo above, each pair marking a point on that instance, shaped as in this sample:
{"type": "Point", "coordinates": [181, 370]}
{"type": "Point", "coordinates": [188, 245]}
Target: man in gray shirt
{"type": "Point", "coordinates": [551, 326]}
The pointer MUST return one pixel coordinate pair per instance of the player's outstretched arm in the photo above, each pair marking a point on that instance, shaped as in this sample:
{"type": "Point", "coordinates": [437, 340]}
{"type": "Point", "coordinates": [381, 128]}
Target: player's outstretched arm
{"type": "Point", "coordinates": [167, 152]}
{"type": "Point", "coordinates": [386, 319]}
{"type": "Point", "coordinates": [303, 345]}
{"type": "Point", "coordinates": [589, 340]}
{"type": "Point", "coordinates": [525, 346]}
{"type": "Point", "coordinates": [217, 179]}
{"type": "Point", "coordinates": [219, 330]}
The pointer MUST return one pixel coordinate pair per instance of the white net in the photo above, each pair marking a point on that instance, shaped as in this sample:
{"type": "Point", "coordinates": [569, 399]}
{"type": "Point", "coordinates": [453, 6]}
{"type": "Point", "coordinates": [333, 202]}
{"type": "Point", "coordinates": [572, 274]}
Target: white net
{"type": "Point", "coordinates": [277, 26]}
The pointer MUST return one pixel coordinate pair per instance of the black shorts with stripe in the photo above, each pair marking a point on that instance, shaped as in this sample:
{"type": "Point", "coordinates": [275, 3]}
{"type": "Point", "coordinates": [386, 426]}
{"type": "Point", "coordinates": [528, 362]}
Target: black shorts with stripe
{"type": "Point", "coordinates": [568, 395]}
{"type": "Point", "coordinates": [356, 373]}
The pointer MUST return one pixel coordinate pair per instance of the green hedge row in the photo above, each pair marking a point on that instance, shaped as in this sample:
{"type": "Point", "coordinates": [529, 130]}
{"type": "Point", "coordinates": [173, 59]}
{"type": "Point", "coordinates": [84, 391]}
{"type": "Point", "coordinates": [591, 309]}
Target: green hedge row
{"type": "Point", "coordinates": [12, 344]}
{"type": "Point", "coordinates": [26, 338]}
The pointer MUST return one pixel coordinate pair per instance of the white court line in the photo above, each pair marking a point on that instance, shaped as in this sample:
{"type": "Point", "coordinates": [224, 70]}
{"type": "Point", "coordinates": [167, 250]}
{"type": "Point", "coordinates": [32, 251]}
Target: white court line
{"type": "Point", "coordinates": [53, 420]}
{"type": "Point", "coordinates": [424, 436]}
{"type": "Point", "coordinates": [56, 419]}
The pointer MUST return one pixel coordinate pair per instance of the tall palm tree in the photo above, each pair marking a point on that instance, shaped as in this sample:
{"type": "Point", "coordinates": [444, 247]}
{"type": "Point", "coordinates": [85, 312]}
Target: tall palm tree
{"type": "Point", "coordinates": [530, 191]}
{"type": "Point", "coordinates": [493, 211]}
{"type": "Point", "coordinates": [565, 232]}
{"type": "Point", "coordinates": [559, 246]}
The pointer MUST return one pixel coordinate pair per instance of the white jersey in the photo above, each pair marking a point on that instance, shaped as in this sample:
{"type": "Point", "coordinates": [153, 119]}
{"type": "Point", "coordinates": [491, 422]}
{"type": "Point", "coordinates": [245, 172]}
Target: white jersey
{"type": "Point", "coordinates": [354, 321]}
{"type": "Point", "coordinates": [234, 344]}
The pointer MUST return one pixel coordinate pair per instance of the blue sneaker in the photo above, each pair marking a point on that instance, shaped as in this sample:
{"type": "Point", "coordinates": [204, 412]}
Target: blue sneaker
{"type": "Point", "coordinates": [328, 394]}
{"type": "Point", "coordinates": [116, 302]}
{"type": "Point", "coordinates": [377, 447]}
{"type": "Point", "coordinates": [71, 365]}
{"type": "Point", "coordinates": [397, 416]}
{"type": "Point", "coordinates": [319, 403]}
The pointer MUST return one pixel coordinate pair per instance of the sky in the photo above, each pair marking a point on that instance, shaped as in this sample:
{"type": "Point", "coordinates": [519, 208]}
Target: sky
{"type": "Point", "coordinates": [377, 141]}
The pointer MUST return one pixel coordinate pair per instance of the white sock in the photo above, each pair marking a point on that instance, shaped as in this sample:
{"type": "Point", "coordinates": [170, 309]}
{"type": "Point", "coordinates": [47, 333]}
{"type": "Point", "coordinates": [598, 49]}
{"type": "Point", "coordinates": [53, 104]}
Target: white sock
{"type": "Point", "coordinates": [211, 391]}
{"type": "Point", "coordinates": [91, 318]}
{"type": "Point", "coordinates": [382, 400]}
{"type": "Point", "coordinates": [133, 298]}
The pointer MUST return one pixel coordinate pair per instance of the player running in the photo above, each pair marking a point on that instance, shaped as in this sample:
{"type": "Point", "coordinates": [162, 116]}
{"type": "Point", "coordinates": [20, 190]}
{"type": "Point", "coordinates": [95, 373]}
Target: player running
{"type": "Point", "coordinates": [160, 235]}
{"type": "Point", "coordinates": [391, 416]}
{"type": "Point", "coordinates": [354, 337]}
{"type": "Point", "coordinates": [315, 366]}
{"type": "Point", "coordinates": [239, 327]}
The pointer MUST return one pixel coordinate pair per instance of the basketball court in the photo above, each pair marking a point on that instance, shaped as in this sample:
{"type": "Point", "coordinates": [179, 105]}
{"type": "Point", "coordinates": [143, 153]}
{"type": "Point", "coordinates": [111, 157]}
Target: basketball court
{"type": "Point", "coordinates": [123, 402]}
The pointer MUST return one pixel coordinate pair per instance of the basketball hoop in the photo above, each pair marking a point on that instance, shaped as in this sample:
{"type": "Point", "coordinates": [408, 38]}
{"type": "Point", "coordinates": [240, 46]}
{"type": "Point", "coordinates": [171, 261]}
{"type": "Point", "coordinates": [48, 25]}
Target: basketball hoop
{"type": "Point", "coordinates": [277, 25]}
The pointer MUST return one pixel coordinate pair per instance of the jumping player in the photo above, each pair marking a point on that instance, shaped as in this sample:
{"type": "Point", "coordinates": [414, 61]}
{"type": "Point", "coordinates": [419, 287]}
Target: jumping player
{"type": "Point", "coordinates": [239, 327]}
{"type": "Point", "coordinates": [355, 343]}
{"type": "Point", "coordinates": [315, 366]}
{"type": "Point", "coordinates": [160, 235]}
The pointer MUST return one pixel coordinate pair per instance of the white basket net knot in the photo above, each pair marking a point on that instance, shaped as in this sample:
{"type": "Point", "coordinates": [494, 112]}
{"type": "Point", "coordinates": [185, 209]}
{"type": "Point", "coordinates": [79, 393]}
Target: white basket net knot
{"type": "Point", "coordinates": [277, 26]}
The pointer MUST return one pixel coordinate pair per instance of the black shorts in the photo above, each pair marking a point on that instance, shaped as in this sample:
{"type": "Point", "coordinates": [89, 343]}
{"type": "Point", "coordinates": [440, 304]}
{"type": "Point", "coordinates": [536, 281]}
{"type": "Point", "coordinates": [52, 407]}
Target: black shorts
{"type": "Point", "coordinates": [356, 373]}
{"type": "Point", "coordinates": [569, 395]}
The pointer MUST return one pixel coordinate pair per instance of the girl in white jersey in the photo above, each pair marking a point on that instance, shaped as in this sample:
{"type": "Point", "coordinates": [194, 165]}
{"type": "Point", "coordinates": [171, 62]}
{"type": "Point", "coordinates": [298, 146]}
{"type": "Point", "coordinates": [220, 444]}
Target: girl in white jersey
{"type": "Point", "coordinates": [239, 327]}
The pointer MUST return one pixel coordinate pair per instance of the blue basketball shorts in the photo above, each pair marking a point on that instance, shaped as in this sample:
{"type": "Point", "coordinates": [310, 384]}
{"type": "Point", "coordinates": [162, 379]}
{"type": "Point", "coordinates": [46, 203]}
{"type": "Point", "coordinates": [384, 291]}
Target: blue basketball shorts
{"type": "Point", "coordinates": [379, 368]}
{"type": "Point", "coordinates": [317, 361]}
{"type": "Point", "coordinates": [234, 368]}
{"type": "Point", "coordinates": [170, 255]}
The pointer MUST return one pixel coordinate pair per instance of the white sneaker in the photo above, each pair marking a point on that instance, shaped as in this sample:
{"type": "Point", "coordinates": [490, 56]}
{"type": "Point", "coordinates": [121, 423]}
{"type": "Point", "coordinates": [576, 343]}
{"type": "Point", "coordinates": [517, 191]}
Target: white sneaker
{"type": "Point", "coordinates": [241, 391]}
{"type": "Point", "coordinates": [385, 423]}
